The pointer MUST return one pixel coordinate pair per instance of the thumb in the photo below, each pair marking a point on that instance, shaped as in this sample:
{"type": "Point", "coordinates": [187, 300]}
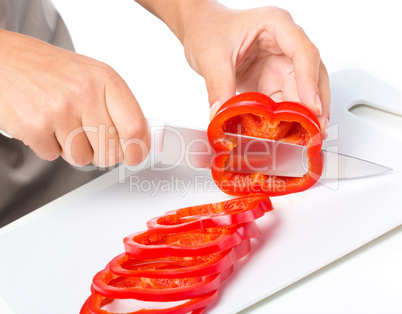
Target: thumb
{"type": "Point", "coordinates": [220, 80]}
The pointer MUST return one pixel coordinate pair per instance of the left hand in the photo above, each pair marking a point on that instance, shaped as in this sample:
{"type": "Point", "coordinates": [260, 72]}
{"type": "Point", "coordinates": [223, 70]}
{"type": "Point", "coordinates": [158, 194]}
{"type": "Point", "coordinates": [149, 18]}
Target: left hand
{"type": "Point", "coordinates": [255, 50]}
{"type": "Point", "coordinates": [260, 49]}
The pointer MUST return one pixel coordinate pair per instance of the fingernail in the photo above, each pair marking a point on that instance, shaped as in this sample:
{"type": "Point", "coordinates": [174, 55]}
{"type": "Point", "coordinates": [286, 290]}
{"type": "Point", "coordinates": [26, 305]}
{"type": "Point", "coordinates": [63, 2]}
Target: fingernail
{"type": "Point", "coordinates": [326, 123]}
{"type": "Point", "coordinates": [214, 109]}
{"type": "Point", "coordinates": [318, 103]}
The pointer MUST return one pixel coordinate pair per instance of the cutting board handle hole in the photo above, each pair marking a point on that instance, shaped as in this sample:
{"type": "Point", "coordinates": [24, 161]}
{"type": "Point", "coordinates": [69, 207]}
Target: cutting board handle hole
{"type": "Point", "coordinates": [388, 122]}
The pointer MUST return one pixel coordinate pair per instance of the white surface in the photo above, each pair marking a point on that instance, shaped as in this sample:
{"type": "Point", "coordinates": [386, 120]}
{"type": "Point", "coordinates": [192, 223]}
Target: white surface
{"type": "Point", "coordinates": [57, 254]}
{"type": "Point", "coordinates": [312, 228]}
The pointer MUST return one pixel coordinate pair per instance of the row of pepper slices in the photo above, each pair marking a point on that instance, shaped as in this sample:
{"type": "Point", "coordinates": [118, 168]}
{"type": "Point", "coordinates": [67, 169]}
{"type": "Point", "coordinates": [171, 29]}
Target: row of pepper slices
{"type": "Point", "coordinates": [184, 256]}
{"type": "Point", "coordinates": [180, 261]}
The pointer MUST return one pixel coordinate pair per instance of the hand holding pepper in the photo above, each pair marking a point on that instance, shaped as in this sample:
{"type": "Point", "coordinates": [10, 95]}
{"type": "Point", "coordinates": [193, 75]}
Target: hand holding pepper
{"type": "Point", "coordinates": [260, 49]}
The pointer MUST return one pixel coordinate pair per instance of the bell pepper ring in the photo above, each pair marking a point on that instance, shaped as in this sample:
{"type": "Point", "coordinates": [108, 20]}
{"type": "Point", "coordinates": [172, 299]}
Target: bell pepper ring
{"type": "Point", "coordinates": [157, 289]}
{"type": "Point", "coordinates": [231, 212]}
{"type": "Point", "coordinates": [149, 244]}
{"type": "Point", "coordinates": [255, 114]}
{"type": "Point", "coordinates": [96, 303]}
{"type": "Point", "coordinates": [85, 310]}
{"type": "Point", "coordinates": [178, 267]}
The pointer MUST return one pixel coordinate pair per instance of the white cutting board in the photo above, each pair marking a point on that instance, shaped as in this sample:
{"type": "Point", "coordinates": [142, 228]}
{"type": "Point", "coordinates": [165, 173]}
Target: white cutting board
{"type": "Point", "coordinates": [46, 265]}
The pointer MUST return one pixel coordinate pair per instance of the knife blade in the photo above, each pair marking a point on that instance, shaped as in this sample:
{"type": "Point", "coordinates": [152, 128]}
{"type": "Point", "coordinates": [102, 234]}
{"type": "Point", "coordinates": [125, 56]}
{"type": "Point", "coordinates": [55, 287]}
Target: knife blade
{"type": "Point", "coordinates": [181, 146]}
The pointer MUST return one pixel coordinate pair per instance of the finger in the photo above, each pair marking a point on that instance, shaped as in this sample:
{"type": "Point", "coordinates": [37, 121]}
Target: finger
{"type": "Point", "coordinates": [277, 79]}
{"type": "Point", "coordinates": [44, 146]}
{"type": "Point", "coordinates": [39, 135]}
{"type": "Point", "coordinates": [290, 88]}
{"type": "Point", "coordinates": [324, 91]}
{"type": "Point", "coordinates": [214, 109]}
{"type": "Point", "coordinates": [306, 77]}
{"type": "Point", "coordinates": [128, 119]}
{"type": "Point", "coordinates": [220, 80]}
{"type": "Point", "coordinates": [306, 59]}
{"type": "Point", "coordinates": [101, 134]}
{"type": "Point", "coordinates": [325, 96]}
{"type": "Point", "coordinates": [77, 149]}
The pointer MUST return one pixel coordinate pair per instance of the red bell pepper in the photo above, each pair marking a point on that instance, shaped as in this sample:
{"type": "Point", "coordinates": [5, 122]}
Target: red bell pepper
{"type": "Point", "coordinates": [232, 212]}
{"type": "Point", "coordinates": [157, 289]}
{"type": "Point", "coordinates": [183, 256]}
{"type": "Point", "coordinates": [178, 267]}
{"type": "Point", "coordinates": [257, 115]}
{"type": "Point", "coordinates": [96, 303]}
{"type": "Point", "coordinates": [148, 244]}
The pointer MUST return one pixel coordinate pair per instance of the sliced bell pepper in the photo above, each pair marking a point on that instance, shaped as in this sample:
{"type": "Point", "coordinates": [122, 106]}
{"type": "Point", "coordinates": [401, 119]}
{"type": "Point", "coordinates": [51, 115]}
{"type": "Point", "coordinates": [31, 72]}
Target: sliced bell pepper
{"type": "Point", "coordinates": [96, 302]}
{"type": "Point", "coordinates": [257, 115]}
{"type": "Point", "coordinates": [149, 244]}
{"type": "Point", "coordinates": [157, 289]}
{"type": "Point", "coordinates": [231, 212]}
{"type": "Point", "coordinates": [178, 267]}
{"type": "Point", "coordinates": [183, 256]}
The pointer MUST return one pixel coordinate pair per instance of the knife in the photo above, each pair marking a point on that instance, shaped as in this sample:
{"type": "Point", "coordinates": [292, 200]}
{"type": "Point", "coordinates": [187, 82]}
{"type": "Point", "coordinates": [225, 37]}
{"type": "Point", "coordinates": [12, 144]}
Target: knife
{"type": "Point", "coordinates": [181, 146]}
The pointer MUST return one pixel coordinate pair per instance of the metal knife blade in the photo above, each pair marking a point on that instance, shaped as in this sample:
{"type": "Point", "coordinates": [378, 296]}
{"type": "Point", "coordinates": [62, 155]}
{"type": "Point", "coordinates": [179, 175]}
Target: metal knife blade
{"type": "Point", "coordinates": [190, 147]}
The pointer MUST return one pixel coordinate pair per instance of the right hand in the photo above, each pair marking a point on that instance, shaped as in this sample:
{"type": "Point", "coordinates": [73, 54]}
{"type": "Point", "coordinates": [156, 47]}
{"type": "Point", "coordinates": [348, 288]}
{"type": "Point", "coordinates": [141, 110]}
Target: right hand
{"type": "Point", "coordinates": [60, 103]}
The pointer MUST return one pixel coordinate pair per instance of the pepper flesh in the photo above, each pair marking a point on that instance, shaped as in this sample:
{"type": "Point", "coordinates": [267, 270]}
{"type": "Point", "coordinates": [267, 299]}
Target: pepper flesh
{"type": "Point", "coordinates": [150, 244]}
{"type": "Point", "coordinates": [254, 114]}
{"type": "Point", "coordinates": [231, 212]}
{"type": "Point", "coordinates": [178, 267]}
{"type": "Point", "coordinates": [157, 289]}
{"type": "Point", "coordinates": [95, 303]}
